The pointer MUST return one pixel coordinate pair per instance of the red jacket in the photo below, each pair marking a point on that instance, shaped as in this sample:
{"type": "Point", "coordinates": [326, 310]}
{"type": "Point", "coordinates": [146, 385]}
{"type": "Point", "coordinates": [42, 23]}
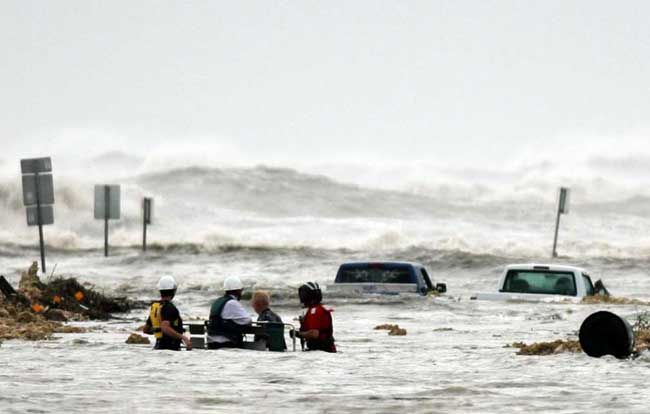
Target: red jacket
{"type": "Point", "coordinates": [319, 318]}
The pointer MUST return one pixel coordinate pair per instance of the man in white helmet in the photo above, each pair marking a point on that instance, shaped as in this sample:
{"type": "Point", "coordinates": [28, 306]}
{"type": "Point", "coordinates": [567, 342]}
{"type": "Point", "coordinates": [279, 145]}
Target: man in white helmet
{"type": "Point", "coordinates": [164, 320]}
{"type": "Point", "coordinates": [228, 318]}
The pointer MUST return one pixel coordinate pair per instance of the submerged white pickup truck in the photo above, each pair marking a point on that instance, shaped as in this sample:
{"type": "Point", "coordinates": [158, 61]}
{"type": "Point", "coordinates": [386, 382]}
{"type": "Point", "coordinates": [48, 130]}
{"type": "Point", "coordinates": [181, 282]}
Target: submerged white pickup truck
{"type": "Point", "coordinates": [534, 282]}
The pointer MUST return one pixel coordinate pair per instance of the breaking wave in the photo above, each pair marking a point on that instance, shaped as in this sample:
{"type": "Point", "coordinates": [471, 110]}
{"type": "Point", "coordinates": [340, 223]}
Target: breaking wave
{"type": "Point", "coordinates": [198, 209]}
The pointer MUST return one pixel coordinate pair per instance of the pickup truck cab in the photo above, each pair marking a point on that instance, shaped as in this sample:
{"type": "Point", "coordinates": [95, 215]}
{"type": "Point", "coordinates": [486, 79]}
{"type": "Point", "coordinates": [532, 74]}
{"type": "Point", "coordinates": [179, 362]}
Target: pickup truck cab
{"type": "Point", "coordinates": [386, 278]}
{"type": "Point", "coordinates": [533, 282]}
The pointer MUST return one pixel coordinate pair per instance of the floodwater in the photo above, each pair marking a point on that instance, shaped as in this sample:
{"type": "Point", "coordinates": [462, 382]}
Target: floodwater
{"type": "Point", "coordinates": [277, 228]}
{"type": "Point", "coordinates": [453, 359]}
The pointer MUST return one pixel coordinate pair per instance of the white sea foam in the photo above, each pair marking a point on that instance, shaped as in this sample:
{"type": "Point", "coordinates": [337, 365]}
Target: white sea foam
{"type": "Point", "coordinates": [503, 210]}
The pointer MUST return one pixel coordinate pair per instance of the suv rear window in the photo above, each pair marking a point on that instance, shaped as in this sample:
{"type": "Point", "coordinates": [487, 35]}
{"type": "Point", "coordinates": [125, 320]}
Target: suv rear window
{"type": "Point", "coordinates": [375, 274]}
{"type": "Point", "coordinates": [540, 281]}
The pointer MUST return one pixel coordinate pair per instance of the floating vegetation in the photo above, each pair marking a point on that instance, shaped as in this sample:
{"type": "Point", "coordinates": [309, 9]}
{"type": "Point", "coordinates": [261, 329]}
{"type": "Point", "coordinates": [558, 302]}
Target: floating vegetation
{"type": "Point", "coordinates": [137, 339]}
{"type": "Point", "coordinates": [547, 348]}
{"type": "Point", "coordinates": [385, 326]}
{"type": "Point", "coordinates": [393, 330]}
{"type": "Point", "coordinates": [641, 329]}
{"type": "Point", "coordinates": [397, 332]}
{"type": "Point", "coordinates": [32, 328]}
{"type": "Point", "coordinates": [612, 300]}
{"type": "Point", "coordinates": [642, 341]}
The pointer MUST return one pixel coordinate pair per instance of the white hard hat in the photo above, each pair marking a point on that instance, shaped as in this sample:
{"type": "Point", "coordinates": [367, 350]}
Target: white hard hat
{"type": "Point", "coordinates": [166, 283]}
{"type": "Point", "coordinates": [232, 283]}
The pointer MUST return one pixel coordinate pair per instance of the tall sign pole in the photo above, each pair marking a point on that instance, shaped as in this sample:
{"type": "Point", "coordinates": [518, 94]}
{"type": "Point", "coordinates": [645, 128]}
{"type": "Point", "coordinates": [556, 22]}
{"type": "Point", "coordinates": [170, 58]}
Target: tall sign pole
{"type": "Point", "coordinates": [38, 196]}
{"type": "Point", "coordinates": [107, 212]}
{"type": "Point", "coordinates": [39, 219]}
{"type": "Point", "coordinates": [107, 207]}
{"type": "Point", "coordinates": [562, 208]}
{"type": "Point", "coordinates": [144, 235]}
{"type": "Point", "coordinates": [147, 209]}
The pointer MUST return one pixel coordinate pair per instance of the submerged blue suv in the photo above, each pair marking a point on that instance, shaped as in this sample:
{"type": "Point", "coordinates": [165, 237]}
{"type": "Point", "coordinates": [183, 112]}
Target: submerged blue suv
{"type": "Point", "coordinates": [390, 278]}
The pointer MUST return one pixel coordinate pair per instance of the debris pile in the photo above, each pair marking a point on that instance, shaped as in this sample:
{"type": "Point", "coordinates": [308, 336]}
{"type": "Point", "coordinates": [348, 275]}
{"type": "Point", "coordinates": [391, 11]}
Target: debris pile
{"type": "Point", "coordinates": [69, 298]}
{"type": "Point", "coordinates": [68, 294]}
{"type": "Point", "coordinates": [18, 322]}
{"type": "Point", "coordinates": [37, 310]}
{"type": "Point", "coordinates": [393, 330]}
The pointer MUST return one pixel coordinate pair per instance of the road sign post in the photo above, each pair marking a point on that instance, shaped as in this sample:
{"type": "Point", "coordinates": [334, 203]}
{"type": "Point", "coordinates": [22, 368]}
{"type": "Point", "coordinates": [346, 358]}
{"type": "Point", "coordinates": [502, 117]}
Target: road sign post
{"type": "Point", "coordinates": [40, 226]}
{"type": "Point", "coordinates": [38, 196]}
{"type": "Point", "coordinates": [107, 207]}
{"type": "Point", "coordinates": [562, 208]}
{"type": "Point", "coordinates": [147, 210]}
{"type": "Point", "coordinates": [107, 202]}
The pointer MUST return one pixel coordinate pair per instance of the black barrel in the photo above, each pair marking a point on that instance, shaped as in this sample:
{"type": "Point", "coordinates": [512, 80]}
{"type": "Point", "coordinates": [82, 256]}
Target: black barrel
{"type": "Point", "coordinates": [604, 333]}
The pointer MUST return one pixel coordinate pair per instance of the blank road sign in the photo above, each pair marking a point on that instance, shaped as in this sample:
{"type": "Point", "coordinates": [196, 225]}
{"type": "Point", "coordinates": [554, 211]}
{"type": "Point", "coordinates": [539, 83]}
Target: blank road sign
{"type": "Point", "coordinates": [148, 210]}
{"type": "Point", "coordinates": [113, 202]}
{"type": "Point", "coordinates": [45, 188]}
{"type": "Point", "coordinates": [564, 200]}
{"type": "Point", "coordinates": [47, 215]}
{"type": "Point", "coordinates": [36, 165]}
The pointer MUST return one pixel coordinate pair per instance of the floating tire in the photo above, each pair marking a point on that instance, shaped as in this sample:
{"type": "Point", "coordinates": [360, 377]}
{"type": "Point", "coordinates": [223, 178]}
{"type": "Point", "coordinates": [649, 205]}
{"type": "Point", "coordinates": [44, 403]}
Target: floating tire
{"type": "Point", "coordinates": [604, 333]}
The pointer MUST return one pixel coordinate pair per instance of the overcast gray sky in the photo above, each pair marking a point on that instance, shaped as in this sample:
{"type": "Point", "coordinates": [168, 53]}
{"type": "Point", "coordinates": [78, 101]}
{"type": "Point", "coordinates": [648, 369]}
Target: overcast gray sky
{"type": "Point", "coordinates": [328, 79]}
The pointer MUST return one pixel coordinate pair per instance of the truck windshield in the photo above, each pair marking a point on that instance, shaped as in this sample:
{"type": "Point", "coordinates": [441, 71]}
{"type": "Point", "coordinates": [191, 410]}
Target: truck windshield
{"type": "Point", "coordinates": [540, 281]}
{"type": "Point", "coordinates": [376, 274]}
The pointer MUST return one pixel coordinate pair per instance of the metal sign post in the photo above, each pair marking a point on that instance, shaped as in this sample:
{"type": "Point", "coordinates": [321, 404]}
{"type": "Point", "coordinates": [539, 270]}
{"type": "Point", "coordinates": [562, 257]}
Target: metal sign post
{"type": "Point", "coordinates": [38, 196]}
{"type": "Point", "coordinates": [107, 203]}
{"type": "Point", "coordinates": [562, 208]}
{"type": "Point", "coordinates": [40, 224]}
{"type": "Point", "coordinates": [107, 207]}
{"type": "Point", "coordinates": [147, 209]}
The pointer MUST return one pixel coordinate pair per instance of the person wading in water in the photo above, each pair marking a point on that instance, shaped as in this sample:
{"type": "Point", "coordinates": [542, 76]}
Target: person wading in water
{"type": "Point", "coordinates": [164, 320]}
{"type": "Point", "coordinates": [229, 321]}
{"type": "Point", "coordinates": [316, 326]}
